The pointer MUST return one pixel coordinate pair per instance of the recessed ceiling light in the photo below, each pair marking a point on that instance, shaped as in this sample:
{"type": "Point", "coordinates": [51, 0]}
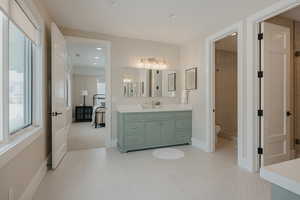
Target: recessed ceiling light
{"type": "Point", "coordinates": [94, 63]}
{"type": "Point", "coordinates": [99, 48]}
{"type": "Point", "coordinates": [97, 57]}
{"type": "Point", "coordinates": [114, 3]}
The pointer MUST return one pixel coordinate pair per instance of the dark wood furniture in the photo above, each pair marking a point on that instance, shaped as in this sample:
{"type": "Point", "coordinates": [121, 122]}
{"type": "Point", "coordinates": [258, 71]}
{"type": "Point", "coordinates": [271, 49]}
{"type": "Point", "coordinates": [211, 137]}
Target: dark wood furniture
{"type": "Point", "coordinates": [83, 113]}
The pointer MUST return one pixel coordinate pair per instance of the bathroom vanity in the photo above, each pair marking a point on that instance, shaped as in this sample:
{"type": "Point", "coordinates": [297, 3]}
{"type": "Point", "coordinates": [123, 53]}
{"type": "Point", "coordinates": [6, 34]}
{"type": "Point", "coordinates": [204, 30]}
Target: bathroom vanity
{"type": "Point", "coordinates": [285, 179]}
{"type": "Point", "coordinates": [145, 127]}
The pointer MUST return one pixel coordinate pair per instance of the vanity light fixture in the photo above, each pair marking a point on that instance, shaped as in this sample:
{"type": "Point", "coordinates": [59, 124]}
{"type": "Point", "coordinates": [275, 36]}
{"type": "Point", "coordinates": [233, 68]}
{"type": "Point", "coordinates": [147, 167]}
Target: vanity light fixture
{"type": "Point", "coordinates": [127, 80]}
{"type": "Point", "coordinates": [234, 34]}
{"type": "Point", "coordinates": [153, 63]}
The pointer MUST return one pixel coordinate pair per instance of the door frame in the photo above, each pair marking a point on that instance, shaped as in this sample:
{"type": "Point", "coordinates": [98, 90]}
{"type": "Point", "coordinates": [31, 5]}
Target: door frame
{"type": "Point", "coordinates": [210, 63]}
{"type": "Point", "coordinates": [252, 68]}
{"type": "Point", "coordinates": [108, 118]}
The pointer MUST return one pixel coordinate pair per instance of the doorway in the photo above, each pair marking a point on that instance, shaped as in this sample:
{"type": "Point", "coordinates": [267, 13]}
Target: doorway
{"type": "Point", "coordinates": [226, 60]}
{"type": "Point", "coordinates": [237, 31]}
{"type": "Point", "coordinates": [87, 84]}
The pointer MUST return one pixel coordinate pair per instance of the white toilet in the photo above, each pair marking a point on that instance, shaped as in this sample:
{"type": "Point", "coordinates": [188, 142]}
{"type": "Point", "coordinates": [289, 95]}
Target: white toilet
{"type": "Point", "coordinates": [218, 131]}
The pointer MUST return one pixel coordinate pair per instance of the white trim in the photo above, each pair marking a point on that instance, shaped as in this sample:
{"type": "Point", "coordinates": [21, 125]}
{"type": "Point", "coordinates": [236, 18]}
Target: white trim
{"type": "Point", "coordinates": [16, 146]}
{"type": "Point", "coordinates": [199, 144]}
{"type": "Point", "coordinates": [252, 64]}
{"type": "Point", "coordinates": [108, 136]}
{"type": "Point", "coordinates": [35, 182]}
{"type": "Point", "coordinates": [210, 64]}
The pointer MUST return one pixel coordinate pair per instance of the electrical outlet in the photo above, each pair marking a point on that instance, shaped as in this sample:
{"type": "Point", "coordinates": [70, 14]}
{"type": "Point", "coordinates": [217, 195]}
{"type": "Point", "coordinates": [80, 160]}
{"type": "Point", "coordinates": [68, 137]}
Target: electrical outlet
{"type": "Point", "coordinates": [11, 194]}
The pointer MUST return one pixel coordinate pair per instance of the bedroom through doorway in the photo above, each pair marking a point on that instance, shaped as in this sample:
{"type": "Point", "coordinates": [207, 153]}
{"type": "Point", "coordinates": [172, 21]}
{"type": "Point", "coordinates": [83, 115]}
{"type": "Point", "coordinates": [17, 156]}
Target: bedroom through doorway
{"type": "Point", "coordinates": [86, 85]}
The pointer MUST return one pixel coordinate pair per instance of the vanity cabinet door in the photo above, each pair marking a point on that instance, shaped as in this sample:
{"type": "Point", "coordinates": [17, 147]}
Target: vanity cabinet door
{"type": "Point", "coordinates": [153, 133]}
{"type": "Point", "coordinates": [135, 135]}
{"type": "Point", "coordinates": [168, 132]}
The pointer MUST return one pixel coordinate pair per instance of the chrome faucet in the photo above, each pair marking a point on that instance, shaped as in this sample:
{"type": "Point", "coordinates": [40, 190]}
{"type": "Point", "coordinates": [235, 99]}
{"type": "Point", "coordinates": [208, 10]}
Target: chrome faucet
{"type": "Point", "coordinates": [155, 103]}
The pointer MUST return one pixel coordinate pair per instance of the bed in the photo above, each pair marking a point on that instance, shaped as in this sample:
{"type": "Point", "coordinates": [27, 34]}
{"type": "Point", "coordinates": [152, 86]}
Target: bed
{"type": "Point", "coordinates": [98, 116]}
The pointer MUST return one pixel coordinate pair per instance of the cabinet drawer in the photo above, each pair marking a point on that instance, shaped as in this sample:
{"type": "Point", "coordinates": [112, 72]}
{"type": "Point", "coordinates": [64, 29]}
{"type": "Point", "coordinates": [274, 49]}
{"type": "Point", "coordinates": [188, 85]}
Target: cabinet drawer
{"type": "Point", "coordinates": [183, 124]}
{"type": "Point", "coordinates": [135, 117]}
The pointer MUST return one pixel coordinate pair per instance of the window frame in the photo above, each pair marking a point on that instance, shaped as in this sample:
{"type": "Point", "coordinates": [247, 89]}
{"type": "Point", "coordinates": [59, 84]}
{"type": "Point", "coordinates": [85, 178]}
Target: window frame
{"type": "Point", "coordinates": [23, 136]}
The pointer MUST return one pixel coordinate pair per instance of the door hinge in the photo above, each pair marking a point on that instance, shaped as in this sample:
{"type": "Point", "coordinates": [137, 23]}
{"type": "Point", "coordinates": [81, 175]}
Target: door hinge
{"type": "Point", "coordinates": [260, 74]}
{"type": "Point", "coordinates": [260, 151]}
{"type": "Point", "coordinates": [260, 113]}
{"type": "Point", "coordinates": [260, 36]}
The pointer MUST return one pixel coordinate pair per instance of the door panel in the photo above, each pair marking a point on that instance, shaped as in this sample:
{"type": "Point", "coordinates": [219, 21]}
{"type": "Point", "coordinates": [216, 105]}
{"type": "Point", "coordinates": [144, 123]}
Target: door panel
{"type": "Point", "coordinates": [153, 133]}
{"type": "Point", "coordinates": [275, 93]}
{"type": "Point", "coordinates": [58, 105]}
{"type": "Point", "coordinates": [168, 131]}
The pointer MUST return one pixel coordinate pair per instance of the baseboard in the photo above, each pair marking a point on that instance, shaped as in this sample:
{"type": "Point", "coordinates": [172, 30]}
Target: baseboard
{"type": "Point", "coordinates": [35, 182]}
{"type": "Point", "coordinates": [199, 144]}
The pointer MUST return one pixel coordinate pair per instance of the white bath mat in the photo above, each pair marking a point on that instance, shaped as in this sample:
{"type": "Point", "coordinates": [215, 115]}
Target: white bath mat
{"type": "Point", "coordinates": [168, 154]}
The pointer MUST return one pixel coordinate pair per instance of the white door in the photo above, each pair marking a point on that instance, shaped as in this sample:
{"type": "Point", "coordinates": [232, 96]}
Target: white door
{"type": "Point", "coordinates": [59, 128]}
{"type": "Point", "coordinates": [275, 93]}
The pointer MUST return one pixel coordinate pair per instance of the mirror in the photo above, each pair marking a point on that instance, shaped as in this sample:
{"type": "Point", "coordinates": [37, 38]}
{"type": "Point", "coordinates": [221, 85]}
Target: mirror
{"type": "Point", "coordinates": [191, 79]}
{"type": "Point", "coordinates": [148, 82]}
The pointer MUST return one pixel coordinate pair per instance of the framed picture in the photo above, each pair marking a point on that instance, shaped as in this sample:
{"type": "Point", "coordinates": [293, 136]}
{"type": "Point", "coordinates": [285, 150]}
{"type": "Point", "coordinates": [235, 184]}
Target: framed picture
{"type": "Point", "coordinates": [172, 82]}
{"type": "Point", "coordinates": [191, 79]}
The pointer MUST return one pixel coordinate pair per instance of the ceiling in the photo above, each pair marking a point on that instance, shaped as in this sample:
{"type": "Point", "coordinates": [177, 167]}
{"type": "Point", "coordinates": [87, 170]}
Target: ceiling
{"type": "Point", "coordinates": [171, 21]}
{"type": "Point", "coordinates": [293, 14]}
{"type": "Point", "coordinates": [86, 55]}
{"type": "Point", "coordinates": [228, 43]}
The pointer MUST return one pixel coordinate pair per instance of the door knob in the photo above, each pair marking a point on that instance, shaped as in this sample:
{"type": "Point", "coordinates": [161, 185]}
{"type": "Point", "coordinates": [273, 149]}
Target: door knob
{"type": "Point", "coordinates": [288, 113]}
{"type": "Point", "coordinates": [54, 114]}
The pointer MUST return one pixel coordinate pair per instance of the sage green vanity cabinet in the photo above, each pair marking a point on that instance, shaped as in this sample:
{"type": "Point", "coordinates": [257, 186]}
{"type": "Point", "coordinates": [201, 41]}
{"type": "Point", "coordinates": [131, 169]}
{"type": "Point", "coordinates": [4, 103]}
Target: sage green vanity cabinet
{"type": "Point", "coordinates": [153, 129]}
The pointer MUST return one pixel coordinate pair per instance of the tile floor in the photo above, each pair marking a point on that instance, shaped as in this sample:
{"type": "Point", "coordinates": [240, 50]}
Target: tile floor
{"type": "Point", "coordinates": [84, 136]}
{"type": "Point", "coordinates": [109, 175]}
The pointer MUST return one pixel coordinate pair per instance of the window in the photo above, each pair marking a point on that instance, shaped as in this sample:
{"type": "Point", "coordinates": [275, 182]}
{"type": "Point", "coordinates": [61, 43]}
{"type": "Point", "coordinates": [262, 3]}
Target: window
{"type": "Point", "coordinates": [20, 79]}
{"type": "Point", "coordinates": [2, 22]}
{"type": "Point", "coordinates": [20, 72]}
{"type": "Point", "coordinates": [100, 87]}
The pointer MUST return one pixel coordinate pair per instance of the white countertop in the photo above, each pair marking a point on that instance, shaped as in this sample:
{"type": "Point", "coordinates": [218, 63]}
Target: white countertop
{"type": "Point", "coordinates": [162, 108]}
{"type": "Point", "coordinates": [285, 175]}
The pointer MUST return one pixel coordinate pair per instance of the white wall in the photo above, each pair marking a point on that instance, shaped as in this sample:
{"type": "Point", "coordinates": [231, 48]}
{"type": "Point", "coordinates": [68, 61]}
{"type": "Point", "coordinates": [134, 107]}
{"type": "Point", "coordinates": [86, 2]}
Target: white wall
{"type": "Point", "coordinates": [192, 54]}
